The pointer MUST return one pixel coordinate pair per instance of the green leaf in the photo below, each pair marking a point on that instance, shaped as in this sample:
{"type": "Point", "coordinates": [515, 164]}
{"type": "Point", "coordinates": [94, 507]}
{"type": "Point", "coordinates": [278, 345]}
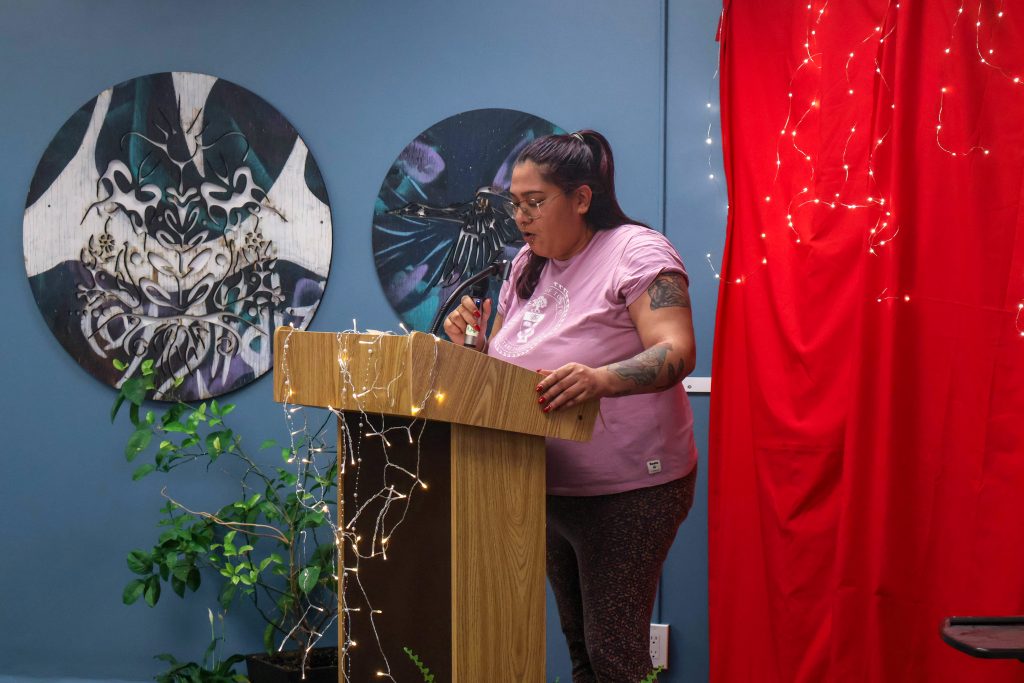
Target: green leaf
{"type": "Point", "coordinates": [215, 407]}
{"type": "Point", "coordinates": [133, 414]}
{"type": "Point", "coordinates": [178, 586]}
{"type": "Point", "coordinates": [308, 578]}
{"type": "Point", "coordinates": [140, 562]}
{"type": "Point", "coordinates": [134, 390]}
{"type": "Point", "coordinates": [226, 408]}
{"type": "Point", "coordinates": [174, 413]}
{"type": "Point", "coordinates": [175, 426]}
{"type": "Point", "coordinates": [653, 676]}
{"type": "Point", "coordinates": [147, 366]}
{"type": "Point", "coordinates": [152, 591]}
{"type": "Point", "coordinates": [133, 591]}
{"type": "Point", "coordinates": [137, 442]}
{"type": "Point", "coordinates": [117, 406]}
{"type": "Point", "coordinates": [428, 677]}
{"type": "Point", "coordinates": [150, 417]}
{"type": "Point", "coordinates": [120, 365]}
{"type": "Point", "coordinates": [267, 444]}
{"type": "Point", "coordinates": [142, 471]}
{"type": "Point", "coordinates": [193, 579]}
{"type": "Point", "coordinates": [285, 602]}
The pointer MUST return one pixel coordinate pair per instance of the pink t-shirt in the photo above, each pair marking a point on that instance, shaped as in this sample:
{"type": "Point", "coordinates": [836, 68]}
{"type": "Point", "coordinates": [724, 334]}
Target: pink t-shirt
{"type": "Point", "coordinates": [578, 313]}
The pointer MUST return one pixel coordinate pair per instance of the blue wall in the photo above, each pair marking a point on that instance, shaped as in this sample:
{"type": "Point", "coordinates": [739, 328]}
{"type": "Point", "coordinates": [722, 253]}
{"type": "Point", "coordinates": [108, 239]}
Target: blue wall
{"type": "Point", "coordinates": [358, 80]}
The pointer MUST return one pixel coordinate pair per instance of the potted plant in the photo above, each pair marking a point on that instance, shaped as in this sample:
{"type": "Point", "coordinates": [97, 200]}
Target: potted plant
{"type": "Point", "coordinates": [272, 544]}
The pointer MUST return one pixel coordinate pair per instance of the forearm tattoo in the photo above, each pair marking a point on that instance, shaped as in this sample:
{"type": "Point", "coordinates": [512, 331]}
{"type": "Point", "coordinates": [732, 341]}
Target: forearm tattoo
{"type": "Point", "coordinates": [643, 368]}
{"type": "Point", "coordinates": [675, 373]}
{"type": "Point", "coordinates": [669, 289]}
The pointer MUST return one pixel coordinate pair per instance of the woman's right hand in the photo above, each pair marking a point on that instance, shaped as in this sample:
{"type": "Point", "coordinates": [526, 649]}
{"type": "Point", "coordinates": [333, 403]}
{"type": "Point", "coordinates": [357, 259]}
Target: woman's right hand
{"type": "Point", "coordinates": [456, 322]}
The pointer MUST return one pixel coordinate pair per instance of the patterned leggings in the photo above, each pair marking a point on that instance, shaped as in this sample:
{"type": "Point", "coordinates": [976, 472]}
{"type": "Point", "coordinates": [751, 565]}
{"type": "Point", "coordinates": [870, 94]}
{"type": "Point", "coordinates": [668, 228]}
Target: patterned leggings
{"type": "Point", "coordinates": [604, 559]}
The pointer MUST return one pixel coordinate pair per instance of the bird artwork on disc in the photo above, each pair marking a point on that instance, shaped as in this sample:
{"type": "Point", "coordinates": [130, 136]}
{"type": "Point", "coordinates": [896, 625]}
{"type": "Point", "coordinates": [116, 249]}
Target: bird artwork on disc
{"type": "Point", "coordinates": [484, 229]}
{"type": "Point", "coordinates": [439, 216]}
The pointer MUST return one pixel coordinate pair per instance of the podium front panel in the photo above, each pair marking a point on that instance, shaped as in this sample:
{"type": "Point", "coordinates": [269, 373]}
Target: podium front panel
{"type": "Point", "coordinates": [405, 599]}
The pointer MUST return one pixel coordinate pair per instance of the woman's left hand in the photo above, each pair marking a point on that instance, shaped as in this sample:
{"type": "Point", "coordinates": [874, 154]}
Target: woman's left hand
{"type": "Point", "coordinates": [570, 385]}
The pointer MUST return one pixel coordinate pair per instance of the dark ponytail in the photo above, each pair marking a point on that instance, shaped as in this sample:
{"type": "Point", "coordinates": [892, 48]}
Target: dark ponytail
{"type": "Point", "coordinates": [568, 162]}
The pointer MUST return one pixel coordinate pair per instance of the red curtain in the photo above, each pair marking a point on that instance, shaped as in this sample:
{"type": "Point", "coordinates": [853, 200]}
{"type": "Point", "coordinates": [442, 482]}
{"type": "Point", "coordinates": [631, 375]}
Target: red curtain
{"type": "Point", "coordinates": [867, 421]}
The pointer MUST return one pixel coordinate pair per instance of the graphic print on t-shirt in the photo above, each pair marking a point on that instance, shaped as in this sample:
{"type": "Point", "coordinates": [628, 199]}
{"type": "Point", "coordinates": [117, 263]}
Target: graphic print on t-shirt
{"type": "Point", "coordinates": [543, 315]}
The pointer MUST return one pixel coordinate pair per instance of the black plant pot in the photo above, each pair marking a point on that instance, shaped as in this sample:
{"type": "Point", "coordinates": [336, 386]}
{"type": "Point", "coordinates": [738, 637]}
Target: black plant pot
{"type": "Point", "coordinates": [286, 667]}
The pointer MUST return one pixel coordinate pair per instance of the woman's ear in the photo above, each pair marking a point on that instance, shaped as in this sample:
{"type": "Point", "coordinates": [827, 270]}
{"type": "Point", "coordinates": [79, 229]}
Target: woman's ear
{"type": "Point", "coordinates": [583, 197]}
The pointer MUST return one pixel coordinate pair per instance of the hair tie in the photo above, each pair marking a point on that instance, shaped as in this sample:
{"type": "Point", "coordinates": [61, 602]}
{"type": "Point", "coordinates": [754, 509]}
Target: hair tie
{"type": "Point", "coordinates": [578, 136]}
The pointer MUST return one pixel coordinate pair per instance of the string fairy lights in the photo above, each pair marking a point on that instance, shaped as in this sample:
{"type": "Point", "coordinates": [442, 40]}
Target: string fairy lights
{"type": "Point", "coordinates": [306, 452]}
{"type": "Point", "coordinates": [709, 138]}
{"type": "Point", "coordinates": [988, 22]}
{"type": "Point", "coordinates": [385, 508]}
{"type": "Point", "coordinates": [807, 177]}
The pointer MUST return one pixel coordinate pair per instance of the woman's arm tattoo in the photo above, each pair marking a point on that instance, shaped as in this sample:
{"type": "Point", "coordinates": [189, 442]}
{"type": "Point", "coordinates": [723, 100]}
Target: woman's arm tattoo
{"type": "Point", "coordinates": [675, 374]}
{"type": "Point", "coordinates": [643, 369]}
{"type": "Point", "coordinates": [669, 289]}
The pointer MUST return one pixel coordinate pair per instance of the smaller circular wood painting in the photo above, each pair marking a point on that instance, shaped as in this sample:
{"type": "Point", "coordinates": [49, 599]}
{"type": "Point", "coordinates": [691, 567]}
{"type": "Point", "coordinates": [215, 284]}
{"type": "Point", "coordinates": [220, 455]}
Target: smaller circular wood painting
{"type": "Point", "coordinates": [438, 219]}
{"type": "Point", "coordinates": [177, 218]}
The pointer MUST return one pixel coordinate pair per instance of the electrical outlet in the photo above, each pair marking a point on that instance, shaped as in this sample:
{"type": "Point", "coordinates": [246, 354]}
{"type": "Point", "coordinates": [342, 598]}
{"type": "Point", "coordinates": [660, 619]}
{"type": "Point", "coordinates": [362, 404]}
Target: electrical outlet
{"type": "Point", "coordinates": [659, 645]}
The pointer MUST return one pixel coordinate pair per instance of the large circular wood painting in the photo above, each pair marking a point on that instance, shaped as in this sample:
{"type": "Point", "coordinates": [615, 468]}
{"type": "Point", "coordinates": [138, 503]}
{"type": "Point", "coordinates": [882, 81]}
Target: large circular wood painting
{"type": "Point", "coordinates": [177, 218]}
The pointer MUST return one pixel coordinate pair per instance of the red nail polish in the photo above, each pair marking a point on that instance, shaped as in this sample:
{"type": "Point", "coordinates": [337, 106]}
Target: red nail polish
{"type": "Point", "coordinates": [541, 399]}
{"type": "Point", "coordinates": [538, 387]}
{"type": "Point", "coordinates": [476, 327]}
{"type": "Point", "coordinates": [476, 313]}
{"type": "Point", "coordinates": [547, 408]}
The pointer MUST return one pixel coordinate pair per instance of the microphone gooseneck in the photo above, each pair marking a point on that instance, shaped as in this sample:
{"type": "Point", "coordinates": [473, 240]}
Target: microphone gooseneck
{"type": "Point", "coordinates": [501, 267]}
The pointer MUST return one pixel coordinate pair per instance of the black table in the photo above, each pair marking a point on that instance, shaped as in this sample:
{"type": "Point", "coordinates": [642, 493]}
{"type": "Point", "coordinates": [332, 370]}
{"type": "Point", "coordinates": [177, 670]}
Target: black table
{"type": "Point", "coordinates": [987, 637]}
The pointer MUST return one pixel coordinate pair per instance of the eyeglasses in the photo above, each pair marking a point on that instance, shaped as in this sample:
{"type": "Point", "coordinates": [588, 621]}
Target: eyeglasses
{"type": "Point", "coordinates": [529, 207]}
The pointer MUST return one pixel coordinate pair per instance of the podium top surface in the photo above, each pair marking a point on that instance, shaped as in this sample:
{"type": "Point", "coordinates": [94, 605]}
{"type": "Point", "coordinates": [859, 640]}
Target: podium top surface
{"type": "Point", "coordinates": [418, 376]}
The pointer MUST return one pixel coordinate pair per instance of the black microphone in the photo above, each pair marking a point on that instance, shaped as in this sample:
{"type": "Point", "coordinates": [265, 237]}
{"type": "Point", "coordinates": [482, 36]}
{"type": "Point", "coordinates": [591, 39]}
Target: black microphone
{"type": "Point", "coordinates": [501, 267]}
{"type": "Point", "coordinates": [477, 293]}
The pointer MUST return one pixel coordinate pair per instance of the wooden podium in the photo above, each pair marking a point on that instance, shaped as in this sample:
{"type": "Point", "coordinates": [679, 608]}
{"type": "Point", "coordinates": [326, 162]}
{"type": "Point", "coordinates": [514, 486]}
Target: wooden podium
{"type": "Point", "coordinates": [458, 439]}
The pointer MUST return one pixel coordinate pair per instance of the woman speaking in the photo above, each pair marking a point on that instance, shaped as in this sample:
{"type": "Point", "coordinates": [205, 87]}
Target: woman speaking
{"type": "Point", "coordinates": [598, 305]}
